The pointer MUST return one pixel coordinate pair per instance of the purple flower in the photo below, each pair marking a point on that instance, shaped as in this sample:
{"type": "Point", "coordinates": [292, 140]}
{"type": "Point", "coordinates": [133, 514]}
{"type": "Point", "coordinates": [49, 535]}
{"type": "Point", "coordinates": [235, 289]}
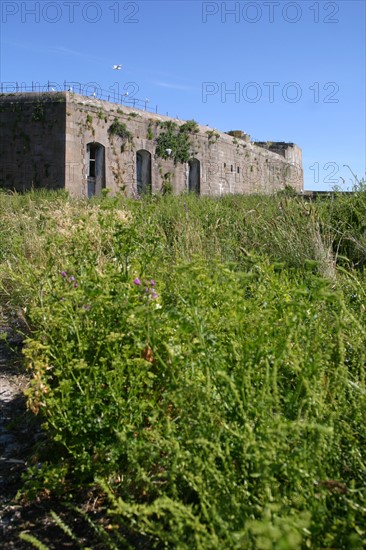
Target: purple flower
{"type": "Point", "coordinates": [75, 285]}
{"type": "Point", "coordinates": [136, 281]}
{"type": "Point", "coordinates": [71, 279]}
{"type": "Point", "coordinates": [154, 295]}
{"type": "Point", "coordinates": [63, 274]}
{"type": "Point", "coordinates": [152, 282]}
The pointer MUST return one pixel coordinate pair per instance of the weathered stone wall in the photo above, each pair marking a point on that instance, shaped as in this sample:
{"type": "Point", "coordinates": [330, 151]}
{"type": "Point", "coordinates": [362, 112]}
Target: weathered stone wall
{"type": "Point", "coordinates": [32, 141]}
{"type": "Point", "coordinates": [228, 164]}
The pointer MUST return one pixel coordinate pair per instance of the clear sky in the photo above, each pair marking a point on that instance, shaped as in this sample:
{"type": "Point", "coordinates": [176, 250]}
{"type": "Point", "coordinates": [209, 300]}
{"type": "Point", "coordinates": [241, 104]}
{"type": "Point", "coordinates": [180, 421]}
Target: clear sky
{"type": "Point", "coordinates": [279, 70]}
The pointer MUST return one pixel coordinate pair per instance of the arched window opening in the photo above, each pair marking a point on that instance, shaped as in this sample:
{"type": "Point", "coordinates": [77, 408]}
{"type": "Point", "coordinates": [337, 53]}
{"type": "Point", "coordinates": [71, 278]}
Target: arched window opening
{"type": "Point", "coordinates": [95, 168]}
{"type": "Point", "coordinates": [194, 179]}
{"type": "Point", "coordinates": [143, 172]}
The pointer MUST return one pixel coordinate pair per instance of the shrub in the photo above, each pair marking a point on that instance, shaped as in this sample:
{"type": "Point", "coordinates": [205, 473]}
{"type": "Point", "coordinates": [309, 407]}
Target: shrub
{"type": "Point", "coordinates": [120, 129]}
{"type": "Point", "coordinates": [197, 364]}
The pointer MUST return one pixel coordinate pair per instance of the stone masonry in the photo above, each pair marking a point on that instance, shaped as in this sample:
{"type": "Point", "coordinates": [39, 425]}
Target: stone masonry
{"type": "Point", "coordinates": [62, 140]}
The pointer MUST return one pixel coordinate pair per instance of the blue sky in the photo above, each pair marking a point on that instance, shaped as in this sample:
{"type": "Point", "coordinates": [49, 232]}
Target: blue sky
{"type": "Point", "coordinates": [279, 70]}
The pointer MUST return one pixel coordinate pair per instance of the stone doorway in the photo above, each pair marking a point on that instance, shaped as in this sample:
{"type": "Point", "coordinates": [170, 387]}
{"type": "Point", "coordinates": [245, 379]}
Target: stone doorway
{"type": "Point", "coordinates": [194, 178]}
{"type": "Point", "coordinates": [143, 172]}
{"type": "Point", "coordinates": [95, 168]}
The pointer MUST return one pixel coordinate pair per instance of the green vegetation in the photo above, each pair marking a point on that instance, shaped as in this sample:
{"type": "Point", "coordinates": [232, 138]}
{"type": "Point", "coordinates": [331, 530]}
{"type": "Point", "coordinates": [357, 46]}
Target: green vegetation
{"type": "Point", "coordinates": [213, 136]}
{"type": "Point", "coordinates": [190, 126]}
{"type": "Point", "coordinates": [102, 116]}
{"type": "Point", "coordinates": [198, 363]}
{"type": "Point", "coordinates": [39, 112]}
{"type": "Point", "coordinates": [177, 139]}
{"type": "Point", "coordinates": [120, 129]}
{"type": "Point", "coordinates": [149, 132]}
{"type": "Point", "coordinates": [167, 186]}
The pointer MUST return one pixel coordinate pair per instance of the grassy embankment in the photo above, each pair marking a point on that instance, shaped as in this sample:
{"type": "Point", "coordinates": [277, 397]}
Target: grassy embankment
{"type": "Point", "coordinates": [200, 362]}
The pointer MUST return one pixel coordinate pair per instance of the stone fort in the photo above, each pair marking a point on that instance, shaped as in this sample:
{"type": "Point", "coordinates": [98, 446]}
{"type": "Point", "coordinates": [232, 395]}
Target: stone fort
{"type": "Point", "coordinates": [82, 144]}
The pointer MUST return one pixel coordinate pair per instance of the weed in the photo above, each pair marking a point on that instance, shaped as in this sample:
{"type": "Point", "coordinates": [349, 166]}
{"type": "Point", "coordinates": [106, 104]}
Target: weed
{"type": "Point", "coordinates": [199, 360]}
{"type": "Point", "coordinates": [119, 129]}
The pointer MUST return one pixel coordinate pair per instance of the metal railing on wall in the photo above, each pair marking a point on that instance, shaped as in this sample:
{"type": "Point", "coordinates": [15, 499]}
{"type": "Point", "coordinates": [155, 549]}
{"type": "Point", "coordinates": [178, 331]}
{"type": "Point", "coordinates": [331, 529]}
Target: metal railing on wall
{"type": "Point", "coordinates": [90, 90]}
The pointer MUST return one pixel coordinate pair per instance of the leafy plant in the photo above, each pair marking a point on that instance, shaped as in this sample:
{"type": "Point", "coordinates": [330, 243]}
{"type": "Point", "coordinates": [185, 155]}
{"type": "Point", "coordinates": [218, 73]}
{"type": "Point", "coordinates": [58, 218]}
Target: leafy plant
{"type": "Point", "coordinates": [39, 112]}
{"type": "Point", "coordinates": [177, 140]}
{"type": "Point", "coordinates": [213, 136]}
{"type": "Point", "coordinates": [167, 186]}
{"type": "Point", "coordinates": [190, 126]}
{"type": "Point", "coordinates": [149, 133]}
{"type": "Point", "coordinates": [197, 361]}
{"type": "Point", "coordinates": [120, 129]}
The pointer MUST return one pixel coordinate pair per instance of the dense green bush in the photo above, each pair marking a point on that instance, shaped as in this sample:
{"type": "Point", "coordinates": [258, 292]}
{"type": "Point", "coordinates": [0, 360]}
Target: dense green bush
{"type": "Point", "coordinates": [201, 361]}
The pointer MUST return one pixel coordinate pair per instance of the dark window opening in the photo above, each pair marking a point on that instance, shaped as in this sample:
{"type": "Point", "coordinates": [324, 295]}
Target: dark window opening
{"type": "Point", "coordinates": [95, 168]}
{"type": "Point", "coordinates": [143, 172]}
{"type": "Point", "coordinates": [92, 163]}
{"type": "Point", "coordinates": [194, 179]}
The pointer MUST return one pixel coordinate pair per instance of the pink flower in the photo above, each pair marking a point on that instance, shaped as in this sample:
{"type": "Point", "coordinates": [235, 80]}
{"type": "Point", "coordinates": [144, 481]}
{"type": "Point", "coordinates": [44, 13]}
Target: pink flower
{"type": "Point", "coordinates": [136, 281]}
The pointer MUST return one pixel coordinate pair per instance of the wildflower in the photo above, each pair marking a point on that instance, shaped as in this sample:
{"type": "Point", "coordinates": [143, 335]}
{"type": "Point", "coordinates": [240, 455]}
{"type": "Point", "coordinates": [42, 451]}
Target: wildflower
{"type": "Point", "coordinates": [63, 274]}
{"type": "Point", "coordinates": [152, 282]}
{"type": "Point", "coordinates": [136, 281]}
{"type": "Point", "coordinates": [75, 285]}
{"type": "Point", "coordinates": [154, 295]}
{"type": "Point", "coordinates": [71, 279]}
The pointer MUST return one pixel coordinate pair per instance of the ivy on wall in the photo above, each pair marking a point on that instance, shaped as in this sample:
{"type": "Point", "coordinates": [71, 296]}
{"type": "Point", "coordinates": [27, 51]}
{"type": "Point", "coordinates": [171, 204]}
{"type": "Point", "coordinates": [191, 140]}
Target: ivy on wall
{"type": "Point", "coordinates": [38, 112]}
{"type": "Point", "coordinates": [176, 140]}
{"type": "Point", "coordinates": [212, 136]}
{"type": "Point", "coordinates": [120, 129]}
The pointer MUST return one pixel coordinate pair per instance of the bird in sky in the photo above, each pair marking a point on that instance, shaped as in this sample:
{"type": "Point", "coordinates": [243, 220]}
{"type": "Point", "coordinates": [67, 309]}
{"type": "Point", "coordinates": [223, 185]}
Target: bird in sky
{"type": "Point", "coordinates": [117, 67]}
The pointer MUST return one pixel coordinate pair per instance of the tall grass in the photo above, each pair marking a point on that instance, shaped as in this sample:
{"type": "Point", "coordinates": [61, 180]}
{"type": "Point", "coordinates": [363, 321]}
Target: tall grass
{"type": "Point", "coordinates": [200, 361]}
